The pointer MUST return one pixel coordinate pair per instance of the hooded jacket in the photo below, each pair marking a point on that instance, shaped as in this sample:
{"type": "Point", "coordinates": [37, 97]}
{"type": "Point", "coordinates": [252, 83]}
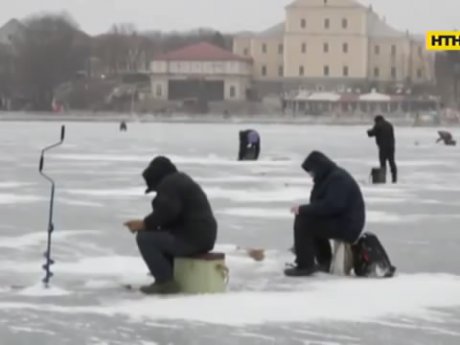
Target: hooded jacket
{"type": "Point", "coordinates": [335, 195]}
{"type": "Point", "coordinates": [248, 137]}
{"type": "Point", "coordinates": [180, 205]}
{"type": "Point", "coordinates": [383, 132]}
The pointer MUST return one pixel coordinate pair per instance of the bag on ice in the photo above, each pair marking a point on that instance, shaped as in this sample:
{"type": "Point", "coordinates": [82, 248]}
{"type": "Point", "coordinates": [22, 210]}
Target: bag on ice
{"type": "Point", "coordinates": [370, 258]}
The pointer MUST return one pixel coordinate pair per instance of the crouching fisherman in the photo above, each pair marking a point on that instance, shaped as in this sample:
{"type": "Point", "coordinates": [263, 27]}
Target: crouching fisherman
{"type": "Point", "coordinates": [447, 138]}
{"type": "Point", "coordinates": [249, 145]}
{"type": "Point", "coordinates": [181, 224]}
{"type": "Point", "coordinates": [336, 211]}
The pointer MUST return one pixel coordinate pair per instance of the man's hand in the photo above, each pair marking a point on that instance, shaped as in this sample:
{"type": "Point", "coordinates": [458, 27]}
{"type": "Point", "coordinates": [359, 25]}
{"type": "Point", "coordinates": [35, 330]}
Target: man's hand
{"type": "Point", "coordinates": [295, 210]}
{"type": "Point", "coordinates": [135, 225]}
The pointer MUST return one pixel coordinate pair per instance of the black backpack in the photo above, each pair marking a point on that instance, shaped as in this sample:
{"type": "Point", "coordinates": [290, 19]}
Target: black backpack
{"type": "Point", "coordinates": [370, 258]}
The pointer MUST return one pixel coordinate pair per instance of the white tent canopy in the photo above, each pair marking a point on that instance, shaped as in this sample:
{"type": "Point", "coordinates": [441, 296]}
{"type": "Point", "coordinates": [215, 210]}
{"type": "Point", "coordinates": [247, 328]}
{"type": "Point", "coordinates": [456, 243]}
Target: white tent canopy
{"type": "Point", "coordinates": [324, 97]}
{"type": "Point", "coordinates": [302, 96]}
{"type": "Point", "coordinates": [375, 97]}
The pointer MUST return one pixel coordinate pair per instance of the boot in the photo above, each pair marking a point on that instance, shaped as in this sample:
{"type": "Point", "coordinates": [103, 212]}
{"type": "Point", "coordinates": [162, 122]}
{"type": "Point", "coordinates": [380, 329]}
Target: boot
{"type": "Point", "coordinates": [297, 271]}
{"type": "Point", "coordinates": [324, 267]}
{"type": "Point", "coordinates": [168, 288]}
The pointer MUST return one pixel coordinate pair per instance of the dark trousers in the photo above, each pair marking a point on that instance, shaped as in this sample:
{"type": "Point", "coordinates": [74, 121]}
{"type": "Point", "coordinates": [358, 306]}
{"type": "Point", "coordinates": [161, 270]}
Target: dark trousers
{"type": "Point", "coordinates": [311, 240]}
{"type": "Point", "coordinates": [158, 250]}
{"type": "Point", "coordinates": [241, 152]}
{"type": "Point", "coordinates": [257, 150]}
{"type": "Point", "coordinates": [388, 155]}
{"type": "Point", "coordinates": [249, 152]}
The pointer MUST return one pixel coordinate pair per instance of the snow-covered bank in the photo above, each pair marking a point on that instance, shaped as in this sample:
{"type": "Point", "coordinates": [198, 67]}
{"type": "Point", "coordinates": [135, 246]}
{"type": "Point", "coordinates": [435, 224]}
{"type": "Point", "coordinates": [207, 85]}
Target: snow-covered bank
{"type": "Point", "coordinates": [208, 118]}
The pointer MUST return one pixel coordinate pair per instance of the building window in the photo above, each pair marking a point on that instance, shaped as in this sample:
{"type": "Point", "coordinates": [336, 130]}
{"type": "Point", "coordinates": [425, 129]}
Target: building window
{"type": "Point", "coordinates": [264, 48]}
{"type": "Point", "coordinates": [377, 50]}
{"type": "Point", "coordinates": [376, 72]}
{"type": "Point", "coordinates": [345, 71]}
{"type": "Point", "coordinates": [232, 92]}
{"type": "Point", "coordinates": [158, 91]}
{"type": "Point", "coordinates": [301, 71]}
{"type": "Point", "coordinates": [303, 23]}
{"type": "Point", "coordinates": [419, 73]}
{"type": "Point", "coordinates": [326, 47]}
{"type": "Point", "coordinates": [326, 71]}
{"type": "Point", "coordinates": [327, 23]}
{"type": "Point", "coordinates": [345, 48]}
{"type": "Point", "coordinates": [344, 23]}
{"type": "Point", "coordinates": [246, 51]}
{"type": "Point", "coordinates": [393, 72]}
{"type": "Point", "coordinates": [280, 71]}
{"type": "Point", "coordinates": [264, 70]}
{"type": "Point", "coordinates": [304, 48]}
{"type": "Point", "coordinates": [280, 49]}
{"type": "Point", "coordinates": [393, 50]}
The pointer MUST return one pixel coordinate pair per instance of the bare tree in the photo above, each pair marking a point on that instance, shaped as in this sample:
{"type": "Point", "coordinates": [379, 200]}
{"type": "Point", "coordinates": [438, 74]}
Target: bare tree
{"type": "Point", "coordinates": [447, 70]}
{"type": "Point", "coordinates": [51, 52]}
{"type": "Point", "coordinates": [121, 49]}
{"type": "Point", "coordinates": [5, 72]}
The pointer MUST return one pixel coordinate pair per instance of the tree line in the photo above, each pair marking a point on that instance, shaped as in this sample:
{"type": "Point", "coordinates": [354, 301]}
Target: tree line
{"type": "Point", "coordinates": [50, 50]}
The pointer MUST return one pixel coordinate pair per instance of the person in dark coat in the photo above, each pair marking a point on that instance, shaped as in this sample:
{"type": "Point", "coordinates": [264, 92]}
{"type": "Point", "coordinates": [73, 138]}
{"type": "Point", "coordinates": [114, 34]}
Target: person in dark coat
{"type": "Point", "coordinates": [181, 224]}
{"type": "Point", "coordinates": [383, 132]}
{"type": "Point", "coordinates": [249, 145]}
{"type": "Point", "coordinates": [336, 211]}
{"type": "Point", "coordinates": [447, 138]}
{"type": "Point", "coordinates": [123, 126]}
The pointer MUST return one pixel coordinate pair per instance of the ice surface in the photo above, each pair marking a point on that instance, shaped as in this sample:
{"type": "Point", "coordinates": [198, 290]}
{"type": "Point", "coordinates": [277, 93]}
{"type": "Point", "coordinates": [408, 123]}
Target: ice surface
{"type": "Point", "coordinates": [347, 299]}
{"type": "Point", "coordinates": [39, 290]}
{"type": "Point", "coordinates": [99, 185]}
{"type": "Point", "coordinates": [7, 198]}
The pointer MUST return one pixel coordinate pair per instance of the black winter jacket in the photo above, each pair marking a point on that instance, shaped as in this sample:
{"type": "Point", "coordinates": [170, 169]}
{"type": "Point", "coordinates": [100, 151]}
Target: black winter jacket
{"type": "Point", "coordinates": [335, 196]}
{"type": "Point", "coordinates": [180, 206]}
{"type": "Point", "coordinates": [383, 132]}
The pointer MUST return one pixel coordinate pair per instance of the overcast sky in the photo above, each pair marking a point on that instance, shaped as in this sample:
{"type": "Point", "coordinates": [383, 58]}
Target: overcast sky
{"type": "Point", "coordinates": [96, 16]}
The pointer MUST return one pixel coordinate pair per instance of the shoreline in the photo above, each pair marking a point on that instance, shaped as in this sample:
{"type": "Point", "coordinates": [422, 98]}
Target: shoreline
{"type": "Point", "coordinates": [209, 119]}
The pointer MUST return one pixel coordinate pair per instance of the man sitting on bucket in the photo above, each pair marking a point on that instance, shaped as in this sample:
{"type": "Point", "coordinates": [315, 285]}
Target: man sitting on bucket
{"type": "Point", "coordinates": [181, 224]}
{"type": "Point", "coordinates": [336, 211]}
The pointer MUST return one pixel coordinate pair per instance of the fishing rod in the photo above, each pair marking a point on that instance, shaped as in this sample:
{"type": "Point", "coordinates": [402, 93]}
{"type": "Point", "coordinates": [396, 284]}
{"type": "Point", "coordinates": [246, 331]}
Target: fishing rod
{"type": "Point", "coordinates": [49, 262]}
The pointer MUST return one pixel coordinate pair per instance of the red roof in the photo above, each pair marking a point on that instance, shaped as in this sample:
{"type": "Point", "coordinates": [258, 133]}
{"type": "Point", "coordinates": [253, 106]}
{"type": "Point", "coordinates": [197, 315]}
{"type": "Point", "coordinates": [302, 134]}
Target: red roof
{"type": "Point", "coordinates": [203, 51]}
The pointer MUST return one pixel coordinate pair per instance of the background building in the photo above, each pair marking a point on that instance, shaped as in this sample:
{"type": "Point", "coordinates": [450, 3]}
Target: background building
{"type": "Point", "coordinates": [335, 44]}
{"type": "Point", "coordinates": [201, 70]}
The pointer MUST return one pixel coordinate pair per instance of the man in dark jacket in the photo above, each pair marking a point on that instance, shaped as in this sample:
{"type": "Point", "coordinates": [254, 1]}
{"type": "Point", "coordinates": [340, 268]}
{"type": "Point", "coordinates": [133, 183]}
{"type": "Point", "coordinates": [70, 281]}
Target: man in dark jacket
{"type": "Point", "coordinates": [249, 145]}
{"type": "Point", "coordinates": [181, 224]}
{"type": "Point", "coordinates": [336, 211]}
{"type": "Point", "coordinates": [383, 132]}
{"type": "Point", "coordinates": [447, 138]}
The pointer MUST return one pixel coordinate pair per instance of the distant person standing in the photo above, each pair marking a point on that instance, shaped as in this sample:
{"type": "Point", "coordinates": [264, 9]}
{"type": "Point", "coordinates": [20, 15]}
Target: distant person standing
{"type": "Point", "coordinates": [123, 126]}
{"type": "Point", "coordinates": [383, 132]}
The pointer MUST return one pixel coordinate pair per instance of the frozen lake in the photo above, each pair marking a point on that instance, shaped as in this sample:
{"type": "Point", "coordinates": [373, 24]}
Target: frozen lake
{"type": "Point", "coordinates": [99, 186]}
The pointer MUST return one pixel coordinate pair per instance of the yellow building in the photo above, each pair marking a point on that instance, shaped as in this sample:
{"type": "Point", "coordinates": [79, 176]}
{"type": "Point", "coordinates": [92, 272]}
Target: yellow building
{"type": "Point", "coordinates": [335, 44]}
